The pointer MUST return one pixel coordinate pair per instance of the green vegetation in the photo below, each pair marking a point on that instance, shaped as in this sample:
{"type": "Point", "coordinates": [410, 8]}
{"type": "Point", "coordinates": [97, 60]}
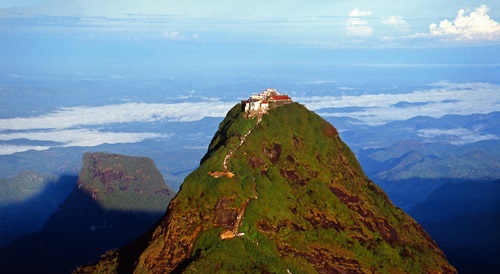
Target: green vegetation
{"type": "Point", "coordinates": [236, 255]}
{"type": "Point", "coordinates": [306, 206]}
{"type": "Point", "coordinates": [24, 186]}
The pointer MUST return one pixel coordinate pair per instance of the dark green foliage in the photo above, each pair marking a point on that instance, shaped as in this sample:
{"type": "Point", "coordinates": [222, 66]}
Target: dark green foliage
{"type": "Point", "coordinates": [236, 255]}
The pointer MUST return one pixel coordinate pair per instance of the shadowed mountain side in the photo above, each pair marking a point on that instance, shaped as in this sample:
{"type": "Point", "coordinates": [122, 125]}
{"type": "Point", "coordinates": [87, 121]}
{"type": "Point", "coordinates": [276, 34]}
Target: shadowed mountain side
{"type": "Point", "coordinates": [409, 192]}
{"type": "Point", "coordinates": [71, 238]}
{"type": "Point", "coordinates": [464, 218]}
{"type": "Point", "coordinates": [124, 258]}
{"type": "Point", "coordinates": [19, 215]}
{"type": "Point", "coordinates": [410, 170]}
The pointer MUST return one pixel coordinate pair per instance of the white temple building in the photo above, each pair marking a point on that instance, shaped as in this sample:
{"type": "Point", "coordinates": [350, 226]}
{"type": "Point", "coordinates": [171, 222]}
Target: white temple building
{"type": "Point", "coordinates": [268, 99]}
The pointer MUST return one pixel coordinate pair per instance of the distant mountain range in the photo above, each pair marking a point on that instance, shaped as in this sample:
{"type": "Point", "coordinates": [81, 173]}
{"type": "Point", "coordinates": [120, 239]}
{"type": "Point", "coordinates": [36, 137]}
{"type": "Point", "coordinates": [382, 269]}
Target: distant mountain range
{"type": "Point", "coordinates": [116, 199]}
{"type": "Point", "coordinates": [452, 129]}
{"type": "Point", "coordinates": [424, 167]}
{"type": "Point", "coordinates": [411, 158]}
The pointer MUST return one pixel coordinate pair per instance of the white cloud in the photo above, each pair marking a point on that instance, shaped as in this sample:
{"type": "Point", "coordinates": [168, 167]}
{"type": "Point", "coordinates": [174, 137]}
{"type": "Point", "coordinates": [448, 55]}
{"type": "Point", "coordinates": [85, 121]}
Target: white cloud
{"type": "Point", "coordinates": [83, 137]}
{"type": "Point", "coordinates": [11, 149]}
{"type": "Point", "coordinates": [396, 21]}
{"type": "Point", "coordinates": [122, 113]}
{"type": "Point", "coordinates": [477, 26]}
{"type": "Point", "coordinates": [355, 26]}
{"type": "Point", "coordinates": [359, 13]}
{"type": "Point", "coordinates": [175, 35]}
{"type": "Point", "coordinates": [442, 98]}
{"type": "Point", "coordinates": [73, 137]}
{"type": "Point", "coordinates": [457, 136]}
{"type": "Point", "coordinates": [358, 27]}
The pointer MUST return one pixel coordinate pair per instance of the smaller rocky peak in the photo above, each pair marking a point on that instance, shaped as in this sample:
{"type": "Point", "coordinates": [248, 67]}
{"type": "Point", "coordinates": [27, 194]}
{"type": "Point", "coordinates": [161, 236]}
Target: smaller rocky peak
{"type": "Point", "coordinates": [118, 181]}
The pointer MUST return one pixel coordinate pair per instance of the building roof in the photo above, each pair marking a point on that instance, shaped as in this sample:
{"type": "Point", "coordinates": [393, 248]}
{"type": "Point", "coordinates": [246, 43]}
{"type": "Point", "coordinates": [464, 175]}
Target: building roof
{"type": "Point", "coordinates": [280, 97]}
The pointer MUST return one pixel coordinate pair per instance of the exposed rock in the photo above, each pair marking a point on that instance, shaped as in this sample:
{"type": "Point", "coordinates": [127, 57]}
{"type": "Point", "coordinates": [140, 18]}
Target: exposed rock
{"type": "Point", "coordinates": [228, 234]}
{"type": "Point", "coordinates": [224, 214]}
{"type": "Point", "coordinates": [220, 174]}
{"type": "Point", "coordinates": [273, 153]}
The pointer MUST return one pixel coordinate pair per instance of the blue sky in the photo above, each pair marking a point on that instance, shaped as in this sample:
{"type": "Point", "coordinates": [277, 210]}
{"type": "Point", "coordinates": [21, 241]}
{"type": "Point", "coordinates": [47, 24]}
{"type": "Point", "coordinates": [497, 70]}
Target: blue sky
{"type": "Point", "coordinates": [183, 35]}
{"type": "Point", "coordinates": [320, 23]}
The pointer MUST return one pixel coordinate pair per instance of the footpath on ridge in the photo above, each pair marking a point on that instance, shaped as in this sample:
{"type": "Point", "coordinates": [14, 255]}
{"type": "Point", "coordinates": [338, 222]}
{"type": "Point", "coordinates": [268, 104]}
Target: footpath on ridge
{"type": "Point", "coordinates": [228, 234]}
{"type": "Point", "coordinates": [225, 162]}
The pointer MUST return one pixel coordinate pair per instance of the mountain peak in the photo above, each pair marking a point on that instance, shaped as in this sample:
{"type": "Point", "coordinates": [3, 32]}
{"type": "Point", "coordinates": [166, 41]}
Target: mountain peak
{"type": "Point", "coordinates": [297, 201]}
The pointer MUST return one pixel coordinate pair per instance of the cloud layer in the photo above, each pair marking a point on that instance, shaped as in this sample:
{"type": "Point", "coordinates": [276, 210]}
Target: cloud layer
{"type": "Point", "coordinates": [442, 98]}
{"type": "Point", "coordinates": [359, 13]}
{"type": "Point", "coordinates": [83, 137]}
{"type": "Point", "coordinates": [457, 136]}
{"type": "Point", "coordinates": [76, 126]}
{"type": "Point", "coordinates": [175, 35]}
{"type": "Point", "coordinates": [93, 126]}
{"type": "Point", "coordinates": [397, 22]}
{"type": "Point", "coordinates": [122, 113]}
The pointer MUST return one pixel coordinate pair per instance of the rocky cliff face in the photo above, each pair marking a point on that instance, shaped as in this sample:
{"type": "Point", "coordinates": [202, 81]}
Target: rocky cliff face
{"type": "Point", "coordinates": [121, 183]}
{"type": "Point", "coordinates": [280, 194]}
{"type": "Point", "coordinates": [117, 198]}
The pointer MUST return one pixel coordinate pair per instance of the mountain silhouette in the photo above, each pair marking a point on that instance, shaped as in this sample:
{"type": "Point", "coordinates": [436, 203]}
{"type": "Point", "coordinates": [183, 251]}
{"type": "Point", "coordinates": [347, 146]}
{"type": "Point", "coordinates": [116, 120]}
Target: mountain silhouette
{"type": "Point", "coordinates": [464, 218]}
{"type": "Point", "coordinates": [28, 200]}
{"type": "Point", "coordinates": [279, 193]}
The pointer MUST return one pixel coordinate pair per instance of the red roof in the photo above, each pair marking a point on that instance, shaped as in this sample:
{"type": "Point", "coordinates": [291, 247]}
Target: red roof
{"type": "Point", "coordinates": [281, 97]}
